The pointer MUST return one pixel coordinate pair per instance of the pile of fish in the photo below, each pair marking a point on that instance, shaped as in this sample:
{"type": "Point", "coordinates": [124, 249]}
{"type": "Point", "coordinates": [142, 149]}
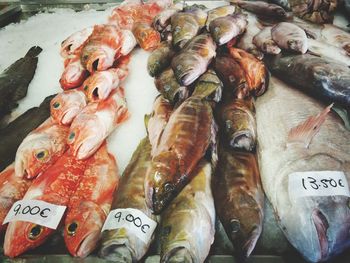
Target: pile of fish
{"type": "Point", "coordinates": [222, 134]}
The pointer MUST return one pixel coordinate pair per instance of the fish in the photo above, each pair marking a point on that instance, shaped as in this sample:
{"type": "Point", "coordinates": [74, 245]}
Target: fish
{"type": "Point", "coordinates": [263, 40]}
{"type": "Point", "coordinates": [184, 27]}
{"type": "Point", "coordinates": [199, 12]}
{"type": "Point", "coordinates": [74, 73]}
{"type": "Point", "coordinates": [223, 29]}
{"type": "Point", "coordinates": [289, 36]}
{"type": "Point", "coordinates": [15, 79]}
{"type": "Point", "coordinates": [157, 121]}
{"type": "Point", "coordinates": [55, 186]}
{"type": "Point", "coordinates": [95, 122]}
{"type": "Point", "coordinates": [325, 220]}
{"type": "Point", "coordinates": [320, 77]}
{"type": "Point", "coordinates": [75, 42]}
{"type": "Point", "coordinates": [256, 73]}
{"type": "Point", "coordinates": [193, 60]}
{"type": "Point", "coordinates": [219, 12]}
{"type": "Point", "coordinates": [233, 77]}
{"type": "Point", "coordinates": [146, 36]}
{"type": "Point", "coordinates": [13, 134]}
{"type": "Point", "coordinates": [40, 149]}
{"type": "Point", "coordinates": [162, 20]}
{"type": "Point", "coordinates": [65, 106]}
{"type": "Point", "coordinates": [166, 83]}
{"type": "Point", "coordinates": [12, 189]}
{"type": "Point", "coordinates": [188, 225]}
{"type": "Point", "coordinates": [184, 141]}
{"type": "Point", "coordinates": [209, 87]}
{"type": "Point", "coordinates": [283, 3]}
{"type": "Point", "coordinates": [236, 118]}
{"type": "Point", "coordinates": [337, 37]}
{"type": "Point", "coordinates": [121, 244]}
{"type": "Point", "coordinates": [320, 12]}
{"type": "Point", "coordinates": [160, 59]}
{"type": "Point", "coordinates": [239, 198]}
{"type": "Point", "coordinates": [90, 204]}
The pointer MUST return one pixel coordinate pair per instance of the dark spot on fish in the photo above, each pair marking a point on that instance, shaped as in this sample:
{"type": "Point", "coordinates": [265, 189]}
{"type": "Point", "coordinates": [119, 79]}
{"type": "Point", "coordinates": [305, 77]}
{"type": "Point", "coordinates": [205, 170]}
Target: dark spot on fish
{"type": "Point", "coordinates": [56, 105]}
{"type": "Point", "coordinates": [235, 226]}
{"type": "Point", "coordinates": [35, 232]}
{"type": "Point", "coordinates": [71, 136]}
{"type": "Point", "coordinates": [86, 87]}
{"type": "Point", "coordinates": [69, 46]}
{"type": "Point", "coordinates": [95, 65]}
{"type": "Point", "coordinates": [72, 228]}
{"type": "Point", "coordinates": [166, 230]}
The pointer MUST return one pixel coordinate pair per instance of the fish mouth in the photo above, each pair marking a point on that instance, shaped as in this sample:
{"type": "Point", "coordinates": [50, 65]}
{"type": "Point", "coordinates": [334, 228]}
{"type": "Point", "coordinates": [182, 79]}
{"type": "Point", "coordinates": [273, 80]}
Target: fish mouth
{"type": "Point", "coordinates": [83, 151]}
{"type": "Point", "coordinates": [88, 244]}
{"type": "Point", "coordinates": [242, 140]}
{"type": "Point", "coordinates": [68, 116]}
{"type": "Point", "coordinates": [249, 245]}
{"type": "Point", "coordinates": [188, 78]}
{"type": "Point", "coordinates": [178, 255]}
{"type": "Point", "coordinates": [117, 253]}
{"type": "Point", "coordinates": [321, 224]}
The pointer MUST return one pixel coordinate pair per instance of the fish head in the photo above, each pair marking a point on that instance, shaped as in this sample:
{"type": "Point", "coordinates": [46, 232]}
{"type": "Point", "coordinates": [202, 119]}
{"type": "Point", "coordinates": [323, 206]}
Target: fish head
{"type": "Point", "coordinates": [83, 226]}
{"type": "Point", "coordinates": [187, 67]}
{"type": "Point", "coordinates": [66, 106]}
{"type": "Point", "coordinates": [99, 85]}
{"type": "Point", "coordinates": [98, 57]}
{"type": "Point", "coordinates": [75, 41]}
{"type": "Point", "coordinates": [222, 30]}
{"type": "Point", "coordinates": [184, 27]}
{"type": "Point", "coordinates": [147, 37]}
{"type": "Point", "coordinates": [73, 75]}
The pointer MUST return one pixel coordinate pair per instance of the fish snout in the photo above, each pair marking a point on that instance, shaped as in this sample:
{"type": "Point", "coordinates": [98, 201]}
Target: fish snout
{"type": "Point", "coordinates": [67, 117]}
{"type": "Point", "coordinates": [297, 45]}
{"type": "Point", "coordinates": [101, 59]}
{"type": "Point", "coordinates": [179, 255]}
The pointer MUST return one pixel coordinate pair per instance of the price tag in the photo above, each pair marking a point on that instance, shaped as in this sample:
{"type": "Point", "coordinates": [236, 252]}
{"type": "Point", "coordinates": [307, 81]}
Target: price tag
{"type": "Point", "coordinates": [132, 219]}
{"type": "Point", "coordinates": [37, 212]}
{"type": "Point", "coordinates": [320, 183]}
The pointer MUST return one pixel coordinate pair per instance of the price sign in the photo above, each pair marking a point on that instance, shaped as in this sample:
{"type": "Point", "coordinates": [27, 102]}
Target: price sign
{"type": "Point", "coordinates": [318, 183]}
{"type": "Point", "coordinates": [132, 219]}
{"type": "Point", "coordinates": [37, 212]}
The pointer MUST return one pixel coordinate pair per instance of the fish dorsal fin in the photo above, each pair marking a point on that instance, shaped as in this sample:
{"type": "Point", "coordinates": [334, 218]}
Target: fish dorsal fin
{"type": "Point", "coordinates": [305, 131]}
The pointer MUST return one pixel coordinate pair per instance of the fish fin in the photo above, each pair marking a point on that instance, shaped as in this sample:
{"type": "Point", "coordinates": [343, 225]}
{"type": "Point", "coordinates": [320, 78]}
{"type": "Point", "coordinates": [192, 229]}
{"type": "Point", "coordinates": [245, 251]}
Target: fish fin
{"type": "Point", "coordinates": [34, 51]}
{"type": "Point", "coordinates": [305, 131]}
{"type": "Point", "coordinates": [310, 34]}
{"type": "Point", "coordinates": [146, 119]}
{"type": "Point", "coordinates": [344, 115]}
{"type": "Point", "coordinates": [313, 53]}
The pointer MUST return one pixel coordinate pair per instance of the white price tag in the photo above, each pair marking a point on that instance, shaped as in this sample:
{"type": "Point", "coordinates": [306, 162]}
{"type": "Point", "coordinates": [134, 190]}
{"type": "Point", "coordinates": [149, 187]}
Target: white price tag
{"type": "Point", "coordinates": [132, 219]}
{"type": "Point", "coordinates": [318, 183]}
{"type": "Point", "coordinates": [37, 212]}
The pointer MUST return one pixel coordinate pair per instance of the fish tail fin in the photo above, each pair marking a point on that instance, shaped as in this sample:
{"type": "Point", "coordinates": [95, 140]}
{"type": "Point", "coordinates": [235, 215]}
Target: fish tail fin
{"type": "Point", "coordinates": [34, 51]}
{"type": "Point", "coordinates": [305, 131]}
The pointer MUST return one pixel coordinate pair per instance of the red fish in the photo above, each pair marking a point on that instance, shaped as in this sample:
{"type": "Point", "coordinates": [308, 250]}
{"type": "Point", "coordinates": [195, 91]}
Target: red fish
{"type": "Point", "coordinates": [75, 42]}
{"type": "Point", "coordinates": [91, 203]}
{"type": "Point", "coordinates": [146, 36]}
{"type": "Point", "coordinates": [74, 73]}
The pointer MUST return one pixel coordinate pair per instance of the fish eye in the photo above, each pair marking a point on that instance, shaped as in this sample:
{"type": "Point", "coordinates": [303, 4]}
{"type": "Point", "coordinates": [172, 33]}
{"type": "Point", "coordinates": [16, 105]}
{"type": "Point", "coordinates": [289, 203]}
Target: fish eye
{"type": "Point", "coordinates": [235, 225]}
{"type": "Point", "coordinates": [72, 228]}
{"type": "Point", "coordinates": [35, 232]}
{"type": "Point", "coordinates": [86, 87]}
{"type": "Point", "coordinates": [56, 105]}
{"type": "Point", "coordinates": [71, 136]}
{"type": "Point", "coordinates": [168, 187]}
{"type": "Point", "coordinates": [41, 155]}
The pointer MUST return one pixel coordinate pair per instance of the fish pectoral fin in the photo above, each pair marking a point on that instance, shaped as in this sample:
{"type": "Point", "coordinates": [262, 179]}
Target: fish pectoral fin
{"type": "Point", "coordinates": [146, 120]}
{"type": "Point", "coordinates": [343, 114]}
{"type": "Point", "coordinates": [305, 131]}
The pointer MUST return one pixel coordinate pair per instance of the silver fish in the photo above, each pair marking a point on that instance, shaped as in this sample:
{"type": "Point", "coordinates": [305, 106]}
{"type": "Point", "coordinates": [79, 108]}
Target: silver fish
{"type": "Point", "coordinates": [264, 41]}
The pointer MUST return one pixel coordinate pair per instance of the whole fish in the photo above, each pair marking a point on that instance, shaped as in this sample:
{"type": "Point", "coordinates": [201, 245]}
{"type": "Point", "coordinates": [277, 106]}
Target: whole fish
{"type": "Point", "coordinates": [188, 226]}
{"type": "Point", "coordinates": [314, 11]}
{"type": "Point", "coordinates": [15, 79]}
{"type": "Point", "coordinates": [320, 77]}
{"type": "Point", "coordinates": [40, 149]}
{"type": "Point", "coordinates": [65, 106]}
{"type": "Point", "coordinates": [146, 36]}
{"type": "Point", "coordinates": [255, 72]}
{"type": "Point", "coordinates": [233, 77]}
{"type": "Point", "coordinates": [263, 40]}
{"type": "Point", "coordinates": [199, 12]}
{"type": "Point", "coordinates": [219, 12]}
{"type": "Point", "coordinates": [184, 141]}
{"type": "Point", "coordinates": [122, 245]}
{"type": "Point", "coordinates": [160, 59]}
{"type": "Point", "coordinates": [90, 204]}
{"type": "Point", "coordinates": [75, 41]}
{"type": "Point", "coordinates": [55, 186]}
{"type": "Point", "coordinates": [12, 189]}
{"type": "Point", "coordinates": [95, 122]}
{"type": "Point", "coordinates": [13, 134]}
{"type": "Point", "coordinates": [194, 59]}
{"type": "Point", "coordinates": [157, 121]}
{"type": "Point", "coordinates": [223, 29]}
{"type": "Point", "coordinates": [73, 74]}
{"type": "Point", "coordinates": [237, 121]}
{"type": "Point", "coordinates": [170, 89]}
{"type": "Point", "coordinates": [290, 36]}
{"type": "Point", "coordinates": [184, 27]}
{"type": "Point", "coordinates": [162, 20]}
{"type": "Point", "coordinates": [209, 86]}
{"type": "Point", "coordinates": [295, 143]}
{"type": "Point", "coordinates": [239, 198]}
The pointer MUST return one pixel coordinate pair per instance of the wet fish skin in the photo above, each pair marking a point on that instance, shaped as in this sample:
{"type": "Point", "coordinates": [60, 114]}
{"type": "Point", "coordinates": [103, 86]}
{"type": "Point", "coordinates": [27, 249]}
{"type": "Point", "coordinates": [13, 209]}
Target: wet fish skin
{"type": "Point", "coordinates": [264, 41]}
{"type": "Point", "coordinates": [289, 36]}
{"type": "Point", "coordinates": [146, 36]}
{"type": "Point", "coordinates": [90, 203]}
{"type": "Point", "coordinates": [184, 27]}
{"type": "Point", "coordinates": [219, 12]}
{"type": "Point", "coordinates": [121, 244]}
{"type": "Point", "coordinates": [262, 8]}
{"type": "Point", "coordinates": [160, 59]}
{"type": "Point", "coordinates": [73, 74]}
{"type": "Point", "coordinates": [13, 134]}
{"type": "Point", "coordinates": [320, 77]}
{"type": "Point", "coordinates": [209, 87]}
{"type": "Point", "coordinates": [15, 79]}
{"type": "Point", "coordinates": [199, 11]}
{"type": "Point", "coordinates": [75, 41]}
{"type": "Point", "coordinates": [330, 213]}
{"type": "Point", "coordinates": [183, 143]}
{"type": "Point", "coordinates": [188, 225]}
{"type": "Point", "coordinates": [320, 12]}
{"type": "Point", "coordinates": [239, 198]}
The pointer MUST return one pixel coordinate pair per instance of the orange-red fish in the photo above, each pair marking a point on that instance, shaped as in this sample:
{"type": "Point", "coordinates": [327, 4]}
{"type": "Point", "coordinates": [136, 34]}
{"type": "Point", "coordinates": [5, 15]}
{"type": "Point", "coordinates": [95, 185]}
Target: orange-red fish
{"type": "Point", "coordinates": [55, 186]}
{"type": "Point", "coordinates": [75, 42]}
{"type": "Point", "coordinates": [74, 73]}
{"type": "Point", "coordinates": [95, 122]}
{"type": "Point", "coordinates": [146, 36]}
{"type": "Point", "coordinates": [91, 203]}
{"type": "Point", "coordinates": [40, 149]}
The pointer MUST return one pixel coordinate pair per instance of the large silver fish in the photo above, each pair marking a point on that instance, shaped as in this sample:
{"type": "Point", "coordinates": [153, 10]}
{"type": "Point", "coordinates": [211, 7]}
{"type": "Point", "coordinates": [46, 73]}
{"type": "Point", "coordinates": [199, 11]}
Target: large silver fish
{"type": "Point", "coordinates": [317, 226]}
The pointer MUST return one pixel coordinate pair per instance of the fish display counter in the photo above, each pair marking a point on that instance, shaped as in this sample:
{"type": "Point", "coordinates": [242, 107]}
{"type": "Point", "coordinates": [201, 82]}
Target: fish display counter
{"type": "Point", "coordinates": [175, 131]}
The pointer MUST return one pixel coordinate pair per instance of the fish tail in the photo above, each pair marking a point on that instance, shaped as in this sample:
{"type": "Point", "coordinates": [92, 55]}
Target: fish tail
{"type": "Point", "coordinates": [34, 51]}
{"type": "Point", "coordinates": [305, 131]}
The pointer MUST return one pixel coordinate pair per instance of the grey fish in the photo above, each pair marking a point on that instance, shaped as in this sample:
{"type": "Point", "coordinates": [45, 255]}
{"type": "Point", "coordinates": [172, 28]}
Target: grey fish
{"type": "Point", "coordinates": [184, 27]}
{"type": "Point", "coordinates": [317, 226]}
{"type": "Point", "coordinates": [14, 133]}
{"type": "Point", "coordinates": [316, 11]}
{"type": "Point", "coordinates": [264, 41]}
{"type": "Point", "coordinates": [15, 79]}
{"type": "Point", "coordinates": [219, 12]}
{"type": "Point", "coordinates": [160, 59]}
{"type": "Point", "coordinates": [320, 77]}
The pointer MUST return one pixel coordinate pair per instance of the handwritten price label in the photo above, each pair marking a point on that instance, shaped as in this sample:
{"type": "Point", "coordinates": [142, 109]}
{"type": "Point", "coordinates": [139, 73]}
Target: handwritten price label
{"type": "Point", "coordinates": [37, 212]}
{"type": "Point", "coordinates": [132, 219]}
{"type": "Point", "coordinates": [320, 183]}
